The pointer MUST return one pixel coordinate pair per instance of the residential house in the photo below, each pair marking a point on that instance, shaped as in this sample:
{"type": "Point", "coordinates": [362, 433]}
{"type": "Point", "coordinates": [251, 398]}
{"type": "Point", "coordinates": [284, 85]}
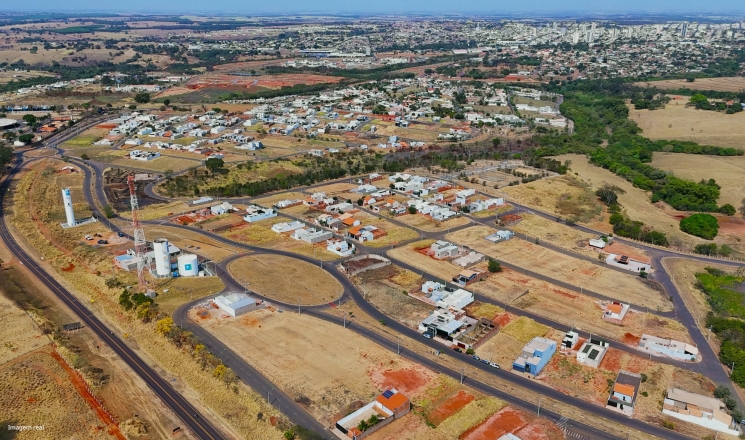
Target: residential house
{"type": "Point", "coordinates": [615, 312]}
{"type": "Point", "coordinates": [500, 236]}
{"type": "Point", "coordinates": [467, 276]}
{"type": "Point", "coordinates": [570, 340]}
{"type": "Point", "coordinates": [443, 323]}
{"type": "Point", "coordinates": [457, 299]}
{"type": "Point", "coordinates": [469, 259]}
{"type": "Point", "coordinates": [443, 249]}
{"type": "Point", "coordinates": [257, 213]}
{"type": "Point", "coordinates": [702, 410]}
{"type": "Point", "coordinates": [364, 233]}
{"type": "Point", "coordinates": [592, 352]}
{"type": "Point", "coordinates": [288, 203]}
{"type": "Point", "coordinates": [624, 393]}
{"type": "Point", "coordinates": [387, 407]}
{"type": "Point", "coordinates": [535, 356]}
{"type": "Point", "coordinates": [287, 226]}
{"type": "Point", "coordinates": [222, 208]}
{"type": "Point", "coordinates": [317, 236]}
{"type": "Point", "coordinates": [339, 247]}
{"type": "Point", "coordinates": [669, 347]}
{"type": "Point", "coordinates": [143, 155]}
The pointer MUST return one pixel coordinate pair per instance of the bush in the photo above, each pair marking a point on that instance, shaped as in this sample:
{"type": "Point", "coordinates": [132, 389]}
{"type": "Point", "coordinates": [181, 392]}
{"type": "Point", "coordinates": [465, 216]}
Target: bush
{"type": "Point", "coordinates": [412, 210]}
{"type": "Point", "coordinates": [470, 351]}
{"type": "Point", "coordinates": [722, 392]}
{"type": "Point", "coordinates": [668, 424]}
{"type": "Point", "coordinates": [84, 156]}
{"type": "Point", "coordinates": [494, 266]}
{"type": "Point", "coordinates": [706, 249]}
{"type": "Point", "coordinates": [700, 225]}
{"type": "Point", "coordinates": [644, 377]}
{"type": "Point", "coordinates": [727, 209]}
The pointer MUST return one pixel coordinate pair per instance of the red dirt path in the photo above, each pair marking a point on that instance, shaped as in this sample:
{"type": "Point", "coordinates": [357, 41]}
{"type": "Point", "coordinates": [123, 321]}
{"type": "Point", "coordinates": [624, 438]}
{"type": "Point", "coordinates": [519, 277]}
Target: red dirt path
{"type": "Point", "coordinates": [507, 420]}
{"type": "Point", "coordinates": [450, 407]}
{"type": "Point", "coordinates": [80, 385]}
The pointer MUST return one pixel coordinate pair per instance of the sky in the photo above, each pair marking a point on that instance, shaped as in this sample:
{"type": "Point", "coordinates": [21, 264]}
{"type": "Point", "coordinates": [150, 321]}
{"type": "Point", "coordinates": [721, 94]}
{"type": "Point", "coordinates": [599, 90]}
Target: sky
{"type": "Point", "coordinates": [291, 7]}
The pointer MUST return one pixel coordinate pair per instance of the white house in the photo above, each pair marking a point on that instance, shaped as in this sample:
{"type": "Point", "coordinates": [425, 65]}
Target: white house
{"type": "Point", "coordinates": [339, 247]}
{"type": "Point", "coordinates": [287, 226]}
{"type": "Point", "coordinates": [222, 208]}
{"type": "Point", "coordinates": [257, 213]}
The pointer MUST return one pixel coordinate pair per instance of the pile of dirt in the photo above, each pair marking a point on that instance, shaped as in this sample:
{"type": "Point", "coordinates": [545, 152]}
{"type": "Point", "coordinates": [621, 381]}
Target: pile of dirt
{"type": "Point", "coordinates": [133, 427]}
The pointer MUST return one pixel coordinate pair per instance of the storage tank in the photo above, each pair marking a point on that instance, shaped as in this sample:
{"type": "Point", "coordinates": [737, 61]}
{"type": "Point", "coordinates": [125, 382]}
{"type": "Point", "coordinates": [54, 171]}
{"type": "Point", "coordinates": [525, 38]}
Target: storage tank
{"type": "Point", "coordinates": [67, 201]}
{"type": "Point", "coordinates": [162, 259]}
{"type": "Point", "coordinates": [188, 265]}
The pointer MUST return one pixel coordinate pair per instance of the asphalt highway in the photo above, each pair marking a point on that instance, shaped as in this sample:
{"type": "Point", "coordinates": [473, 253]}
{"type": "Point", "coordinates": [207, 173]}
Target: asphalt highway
{"type": "Point", "coordinates": [180, 406]}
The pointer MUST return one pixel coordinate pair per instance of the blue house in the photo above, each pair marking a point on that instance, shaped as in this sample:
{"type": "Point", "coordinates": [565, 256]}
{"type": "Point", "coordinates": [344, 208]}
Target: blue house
{"type": "Point", "coordinates": [535, 356]}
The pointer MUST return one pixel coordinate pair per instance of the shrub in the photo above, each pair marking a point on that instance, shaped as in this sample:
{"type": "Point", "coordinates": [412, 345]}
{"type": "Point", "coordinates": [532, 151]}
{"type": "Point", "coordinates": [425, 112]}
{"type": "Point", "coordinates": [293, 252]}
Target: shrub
{"type": "Point", "coordinates": [727, 209]}
{"type": "Point", "coordinates": [84, 156]}
{"type": "Point", "coordinates": [668, 424]}
{"type": "Point", "coordinates": [700, 225]}
{"type": "Point", "coordinates": [494, 266]}
{"type": "Point", "coordinates": [412, 210]}
{"type": "Point", "coordinates": [470, 351]}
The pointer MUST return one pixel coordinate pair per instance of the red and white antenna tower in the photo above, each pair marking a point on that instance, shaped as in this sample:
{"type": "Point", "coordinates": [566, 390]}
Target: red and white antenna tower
{"type": "Point", "coordinates": [137, 233]}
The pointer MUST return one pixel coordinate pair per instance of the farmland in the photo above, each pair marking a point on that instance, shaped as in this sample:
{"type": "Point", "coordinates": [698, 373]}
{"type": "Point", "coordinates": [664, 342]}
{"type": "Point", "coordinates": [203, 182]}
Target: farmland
{"type": "Point", "coordinates": [563, 267]}
{"type": "Point", "coordinates": [676, 121]}
{"type": "Point", "coordinates": [267, 275]}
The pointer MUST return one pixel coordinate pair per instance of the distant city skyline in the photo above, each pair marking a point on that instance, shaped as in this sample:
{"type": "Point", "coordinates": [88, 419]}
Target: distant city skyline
{"type": "Point", "coordinates": [295, 7]}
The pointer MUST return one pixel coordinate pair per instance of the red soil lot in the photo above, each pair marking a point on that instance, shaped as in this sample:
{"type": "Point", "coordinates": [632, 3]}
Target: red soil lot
{"type": "Point", "coordinates": [507, 420]}
{"type": "Point", "coordinates": [407, 380]}
{"type": "Point", "coordinates": [450, 407]}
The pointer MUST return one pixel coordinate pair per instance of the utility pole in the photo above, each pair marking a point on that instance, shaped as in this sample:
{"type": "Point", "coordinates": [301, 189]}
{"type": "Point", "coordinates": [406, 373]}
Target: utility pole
{"type": "Point", "coordinates": [267, 395]}
{"type": "Point", "coordinates": [398, 345]}
{"type": "Point", "coordinates": [462, 371]}
{"type": "Point", "coordinates": [539, 407]}
{"type": "Point", "coordinates": [298, 305]}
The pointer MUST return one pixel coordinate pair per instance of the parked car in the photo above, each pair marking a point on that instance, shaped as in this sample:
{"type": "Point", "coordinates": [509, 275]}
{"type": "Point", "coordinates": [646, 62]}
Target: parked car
{"type": "Point", "coordinates": [88, 237]}
{"type": "Point", "coordinates": [103, 242]}
{"type": "Point", "coordinates": [121, 234]}
{"type": "Point", "coordinates": [476, 357]}
{"type": "Point", "coordinates": [458, 350]}
{"type": "Point", "coordinates": [427, 335]}
{"type": "Point", "coordinates": [492, 364]}
{"type": "Point", "coordinates": [484, 361]}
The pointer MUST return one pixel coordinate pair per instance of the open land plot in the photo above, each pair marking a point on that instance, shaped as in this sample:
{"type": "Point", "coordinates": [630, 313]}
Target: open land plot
{"type": "Point", "coordinates": [728, 171]}
{"type": "Point", "coordinates": [38, 389]}
{"type": "Point", "coordinates": [188, 240]}
{"type": "Point", "coordinates": [565, 196]}
{"type": "Point", "coordinates": [723, 84]}
{"type": "Point", "coordinates": [85, 139]}
{"type": "Point", "coordinates": [272, 199]}
{"type": "Point", "coordinates": [18, 333]}
{"type": "Point", "coordinates": [502, 349]}
{"type": "Point", "coordinates": [8, 76]}
{"type": "Point", "coordinates": [408, 254]}
{"type": "Point", "coordinates": [285, 279]}
{"type": "Point", "coordinates": [160, 164]}
{"type": "Point", "coordinates": [511, 421]}
{"type": "Point", "coordinates": [345, 368]}
{"type": "Point", "coordinates": [549, 263]}
{"type": "Point", "coordinates": [676, 121]}
{"type": "Point", "coordinates": [428, 224]}
{"type": "Point", "coordinates": [554, 233]}
{"type": "Point", "coordinates": [385, 289]}
{"type": "Point", "coordinates": [634, 201]}
{"type": "Point", "coordinates": [261, 234]}
{"type": "Point", "coordinates": [184, 289]}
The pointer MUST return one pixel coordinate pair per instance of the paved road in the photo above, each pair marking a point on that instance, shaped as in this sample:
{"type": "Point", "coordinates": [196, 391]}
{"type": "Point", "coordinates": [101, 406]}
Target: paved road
{"type": "Point", "coordinates": [180, 406]}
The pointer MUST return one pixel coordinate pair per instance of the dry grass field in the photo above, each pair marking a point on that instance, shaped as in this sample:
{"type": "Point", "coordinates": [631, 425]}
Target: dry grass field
{"type": "Point", "coordinates": [182, 290]}
{"type": "Point", "coordinates": [38, 391]}
{"type": "Point", "coordinates": [428, 224]}
{"type": "Point", "coordinates": [345, 368]}
{"type": "Point", "coordinates": [18, 334]}
{"type": "Point", "coordinates": [384, 288]}
{"type": "Point", "coordinates": [555, 233]}
{"type": "Point", "coordinates": [284, 279]}
{"type": "Point", "coordinates": [724, 84]}
{"type": "Point", "coordinates": [274, 198]}
{"type": "Point", "coordinates": [501, 348]}
{"type": "Point", "coordinates": [676, 121]}
{"type": "Point", "coordinates": [408, 254]}
{"type": "Point", "coordinates": [183, 238]}
{"type": "Point", "coordinates": [635, 202]}
{"type": "Point", "coordinates": [85, 139]}
{"type": "Point", "coordinates": [563, 267]}
{"type": "Point", "coordinates": [524, 329]}
{"type": "Point", "coordinates": [261, 234]}
{"type": "Point", "coordinates": [157, 165]}
{"type": "Point", "coordinates": [729, 172]}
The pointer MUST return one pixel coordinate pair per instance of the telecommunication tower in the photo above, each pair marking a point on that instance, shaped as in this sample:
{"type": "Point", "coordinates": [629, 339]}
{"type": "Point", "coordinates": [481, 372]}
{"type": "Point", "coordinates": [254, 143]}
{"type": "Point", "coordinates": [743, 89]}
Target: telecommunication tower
{"type": "Point", "coordinates": [137, 233]}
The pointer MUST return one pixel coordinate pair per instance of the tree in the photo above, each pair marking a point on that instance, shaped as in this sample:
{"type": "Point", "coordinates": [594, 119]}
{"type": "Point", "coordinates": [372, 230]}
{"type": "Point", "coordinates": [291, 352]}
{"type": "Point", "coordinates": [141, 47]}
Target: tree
{"type": "Point", "coordinates": [722, 392]}
{"type": "Point", "coordinates": [84, 156]}
{"type": "Point", "coordinates": [494, 266]}
{"type": "Point", "coordinates": [700, 225]}
{"type": "Point", "coordinates": [166, 102]}
{"type": "Point", "coordinates": [496, 141]}
{"type": "Point", "coordinates": [164, 326]}
{"type": "Point", "coordinates": [142, 98]}
{"type": "Point", "coordinates": [412, 210]}
{"type": "Point", "coordinates": [214, 164]}
{"type": "Point", "coordinates": [30, 119]}
{"type": "Point", "coordinates": [609, 194]}
{"type": "Point", "coordinates": [727, 209]}
{"type": "Point", "coordinates": [26, 138]}
{"type": "Point", "coordinates": [125, 300]}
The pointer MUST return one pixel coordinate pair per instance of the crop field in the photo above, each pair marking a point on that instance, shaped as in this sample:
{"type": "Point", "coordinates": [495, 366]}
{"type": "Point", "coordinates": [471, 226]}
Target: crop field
{"type": "Point", "coordinates": [267, 275]}
{"type": "Point", "coordinates": [37, 390]}
{"type": "Point", "coordinates": [676, 121]}
{"type": "Point", "coordinates": [728, 171]}
{"type": "Point", "coordinates": [634, 201]}
{"type": "Point", "coordinates": [345, 368]}
{"type": "Point", "coordinates": [428, 224]}
{"type": "Point", "coordinates": [723, 84]}
{"type": "Point", "coordinates": [563, 267]}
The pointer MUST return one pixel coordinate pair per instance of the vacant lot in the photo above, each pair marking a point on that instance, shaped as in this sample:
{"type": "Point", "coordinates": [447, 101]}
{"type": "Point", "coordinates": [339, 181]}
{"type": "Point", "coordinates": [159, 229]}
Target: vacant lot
{"type": "Point", "coordinates": [394, 233]}
{"type": "Point", "coordinates": [676, 121]}
{"type": "Point", "coordinates": [38, 391]}
{"type": "Point", "coordinates": [285, 279]}
{"type": "Point", "coordinates": [18, 334]}
{"type": "Point", "coordinates": [408, 254]}
{"type": "Point", "coordinates": [345, 368]}
{"type": "Point", "coordinates": [635, 202]}
{"type": "Point", "coordinates": [188, 241]}
{"type": "Point", "coordinates": [724, 84]}
{"type": "Point", "coordinates": [565, 196]}
{"type": "Point", "coordinates": [426, 223]}
{"type": "Point", "coordinates": [158, 165]}
{"type": "Point", "coordinates": [85, 139]}
{"type": "Point", "coordinates": [261, 234]}
{"type": "Point", "coordinates": [184, 289]}
{"type": "Point", "coordinates": [552, 264]}
{"type": "Point", "coordinates": [385, 289]}
{"type": "Point", "coordinates": [729, 172]}
{"type": "Point", "coordinates": [555, 233]}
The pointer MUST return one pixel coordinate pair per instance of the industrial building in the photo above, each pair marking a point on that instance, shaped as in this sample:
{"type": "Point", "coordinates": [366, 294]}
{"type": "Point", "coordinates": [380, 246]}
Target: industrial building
{"type": "Point", "coordinates": [235, 304]}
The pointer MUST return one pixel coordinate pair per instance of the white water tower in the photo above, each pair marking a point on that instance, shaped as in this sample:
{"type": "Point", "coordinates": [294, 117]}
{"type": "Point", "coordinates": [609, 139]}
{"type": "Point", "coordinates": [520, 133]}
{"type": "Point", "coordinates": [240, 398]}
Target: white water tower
{"type": "Point", "coordinates": [162, 258]}
{"type": "Point", "coordinates": [69, 212]}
